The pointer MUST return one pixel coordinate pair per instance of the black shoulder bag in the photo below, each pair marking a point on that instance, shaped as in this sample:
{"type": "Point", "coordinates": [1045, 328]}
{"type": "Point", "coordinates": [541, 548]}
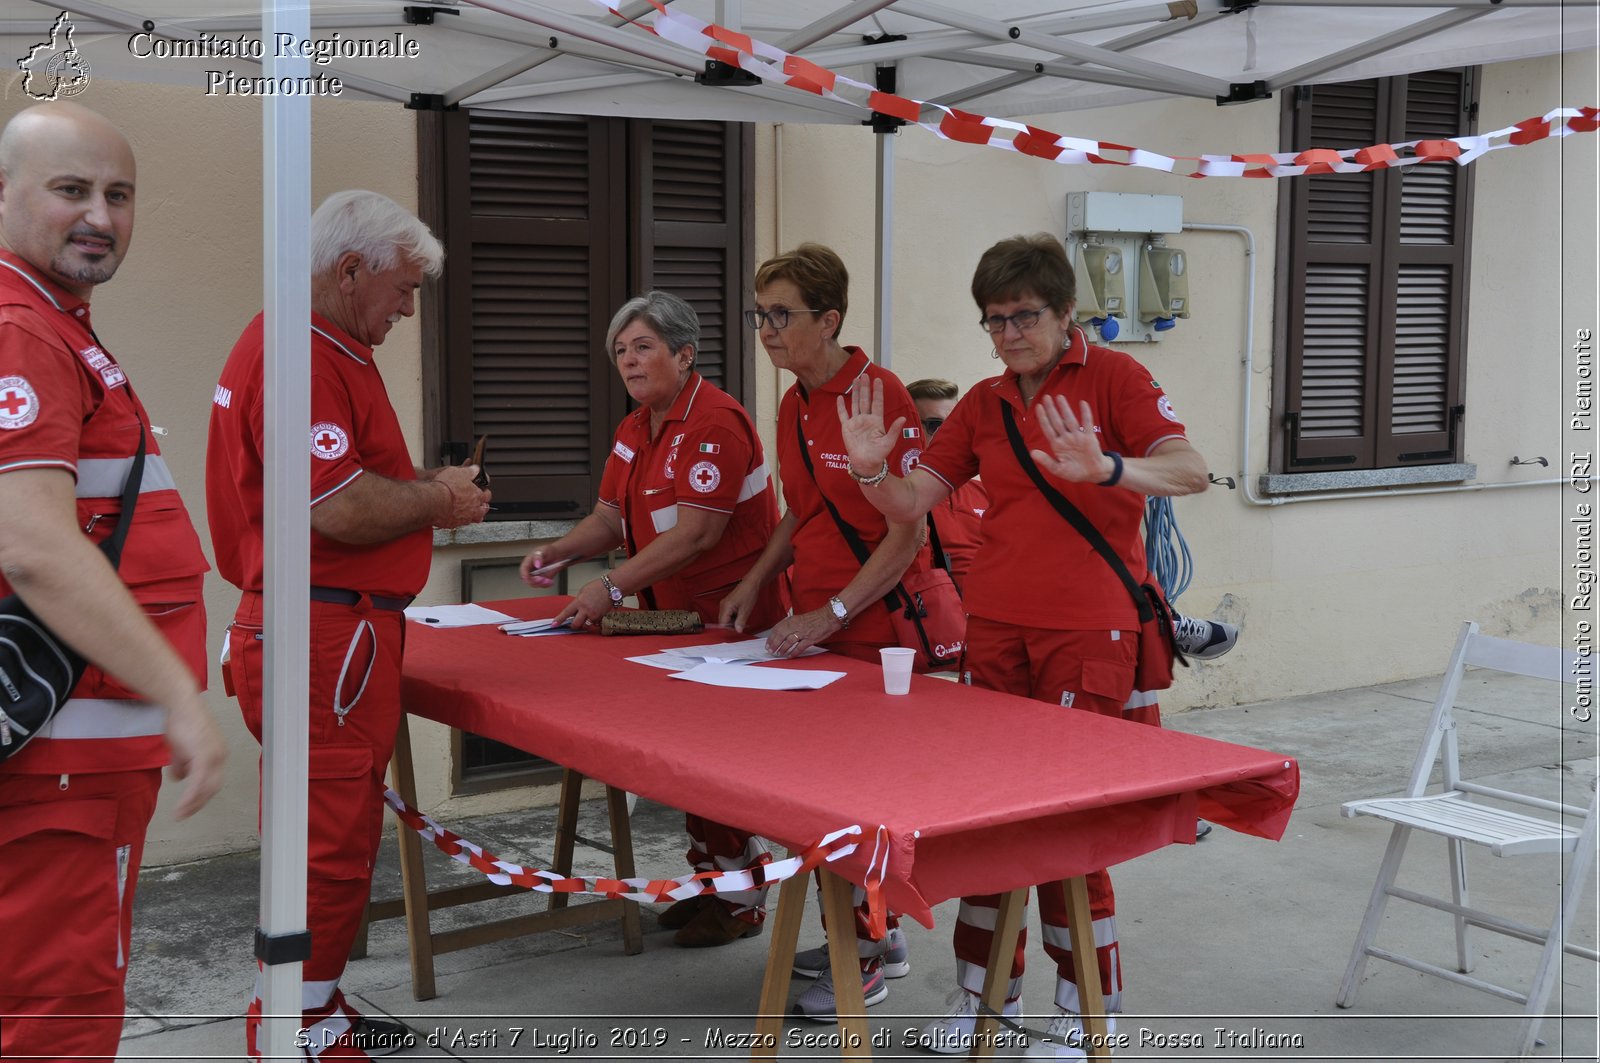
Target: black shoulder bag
{"type": "Point", "coordinates": [1157, 647]}
{"type": "Point", "coordinates": [37, 670]}
{"type": "Point", "coordinates": [909, 607]}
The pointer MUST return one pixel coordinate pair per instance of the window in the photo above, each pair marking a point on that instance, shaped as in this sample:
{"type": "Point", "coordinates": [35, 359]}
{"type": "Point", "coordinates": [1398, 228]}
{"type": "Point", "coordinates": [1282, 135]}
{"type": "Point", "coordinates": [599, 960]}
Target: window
{"type": "Point", "coordinates": [1372, 281]}
{"type": "Point", "coordinates": [550, 223]}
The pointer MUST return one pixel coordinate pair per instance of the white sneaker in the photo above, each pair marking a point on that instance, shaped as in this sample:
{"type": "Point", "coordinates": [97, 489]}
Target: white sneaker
{"type": "Point", "coordinates": [1063, 1038]}
{"type": "Point", "coordinates": [952, 1035]}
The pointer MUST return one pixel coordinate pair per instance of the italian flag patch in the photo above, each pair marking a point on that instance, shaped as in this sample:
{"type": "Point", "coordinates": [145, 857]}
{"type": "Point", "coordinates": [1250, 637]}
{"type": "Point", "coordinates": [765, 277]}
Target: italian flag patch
{"type": "Point", "coordinates": [910, 433]}
{"type": "Point", "coordinates": [710, 448]}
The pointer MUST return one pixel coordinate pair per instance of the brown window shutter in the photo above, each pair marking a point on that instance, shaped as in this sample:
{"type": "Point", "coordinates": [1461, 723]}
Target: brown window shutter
{"type": "Point", "coordinates": [1337, 222]}
{"type": "Point", "coordinates": [1376, 289]}
{"type": "Point", "coordinates": [1421, 408]}
{"type": "Point", "coordinates": [691, 195]}
{"type": "Point", "coordinates": [532, 276]}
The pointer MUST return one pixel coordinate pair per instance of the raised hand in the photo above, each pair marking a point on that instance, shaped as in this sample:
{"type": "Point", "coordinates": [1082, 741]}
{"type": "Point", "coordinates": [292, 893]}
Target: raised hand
{"type": "Point", "coordinates": [1075, 454]}
{"type": "Point", "coordinates": [866, 439]}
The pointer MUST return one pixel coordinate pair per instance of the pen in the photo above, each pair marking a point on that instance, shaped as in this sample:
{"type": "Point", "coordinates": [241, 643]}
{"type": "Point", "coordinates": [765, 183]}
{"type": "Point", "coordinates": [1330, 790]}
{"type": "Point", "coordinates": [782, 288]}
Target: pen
{"type": "Point", "coordinates": [430, 620]}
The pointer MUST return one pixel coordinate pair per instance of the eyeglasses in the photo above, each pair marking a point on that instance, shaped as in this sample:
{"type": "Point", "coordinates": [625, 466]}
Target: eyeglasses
{"type": "Point", "coordinates": [1023, 319]}
{"type": "Point", "coordinates": [777, 316]}
{"type": "Point", "coordinates": [931, 425]}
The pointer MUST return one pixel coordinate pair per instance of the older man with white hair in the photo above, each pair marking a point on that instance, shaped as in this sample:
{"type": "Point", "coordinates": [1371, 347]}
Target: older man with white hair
{"type": "Point", "coordinates": [372, 517]}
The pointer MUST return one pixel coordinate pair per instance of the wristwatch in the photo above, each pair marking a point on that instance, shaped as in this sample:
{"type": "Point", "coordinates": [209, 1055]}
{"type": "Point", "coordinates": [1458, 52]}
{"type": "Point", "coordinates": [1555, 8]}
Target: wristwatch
{"type": "Point", "coordinates": [840, 613]}
{"type": "Point", "coordinates": [611, 589]}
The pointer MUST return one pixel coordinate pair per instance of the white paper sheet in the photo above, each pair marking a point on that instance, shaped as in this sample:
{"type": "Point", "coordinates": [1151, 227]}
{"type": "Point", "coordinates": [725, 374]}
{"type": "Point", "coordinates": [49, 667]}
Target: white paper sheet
{"type": "Point", "coordinates": [737, 675]}
{"type": "Point", "coordinates": [546, 626]}
{"type": "Point", "coordinates": [670, 662]}
{"type": "Point", "coordinates": [747, 652]}
{"type": "Point", "coordinates": [456, 615]}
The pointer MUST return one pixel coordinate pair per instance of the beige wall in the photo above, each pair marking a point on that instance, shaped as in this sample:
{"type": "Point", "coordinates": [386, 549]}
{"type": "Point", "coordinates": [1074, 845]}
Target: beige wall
{"type": "Point", "coordinates": [1329, 594]}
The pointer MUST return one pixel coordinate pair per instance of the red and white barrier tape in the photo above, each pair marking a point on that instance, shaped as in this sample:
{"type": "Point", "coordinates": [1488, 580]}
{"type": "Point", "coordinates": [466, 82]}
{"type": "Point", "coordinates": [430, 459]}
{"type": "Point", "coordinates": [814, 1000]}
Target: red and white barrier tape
{"type": "Point", "coordinates": [832, 847]}
{"type": "Point", "coordinates": [775, 66]}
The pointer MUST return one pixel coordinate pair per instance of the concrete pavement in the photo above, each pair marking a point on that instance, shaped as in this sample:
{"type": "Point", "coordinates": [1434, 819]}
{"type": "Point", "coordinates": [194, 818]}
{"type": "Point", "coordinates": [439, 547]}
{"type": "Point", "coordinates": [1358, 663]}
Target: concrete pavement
{"type": "Point", "coordinates": [1232, 948]}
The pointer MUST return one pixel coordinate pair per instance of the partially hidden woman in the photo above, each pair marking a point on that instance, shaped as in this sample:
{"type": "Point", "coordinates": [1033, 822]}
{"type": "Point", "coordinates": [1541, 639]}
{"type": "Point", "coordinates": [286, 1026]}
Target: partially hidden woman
{"type": "Point", "coordinates": [1047, 618]}
{"type": "Point", "coordinates": [687, 491]}
{"type": "Point", "coordinates": [801, 299]}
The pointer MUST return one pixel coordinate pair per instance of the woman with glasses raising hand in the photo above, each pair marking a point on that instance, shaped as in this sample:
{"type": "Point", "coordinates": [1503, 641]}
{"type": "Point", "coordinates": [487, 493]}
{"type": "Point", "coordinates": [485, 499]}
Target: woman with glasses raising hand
{"type": "Point", "coordinates": [801, 297]}
{"type": "Point", "coordinates": [1047, 616]}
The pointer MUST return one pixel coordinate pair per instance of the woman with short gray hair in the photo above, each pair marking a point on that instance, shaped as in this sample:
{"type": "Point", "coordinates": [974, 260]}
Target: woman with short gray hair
{"type": "Point", "coordinates": [686, 490]}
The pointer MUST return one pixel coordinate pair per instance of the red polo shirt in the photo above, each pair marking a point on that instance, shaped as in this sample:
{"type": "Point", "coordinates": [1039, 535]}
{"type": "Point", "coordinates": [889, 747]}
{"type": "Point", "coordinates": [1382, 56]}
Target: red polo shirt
{"type": "Point", "coordinates": [1032, 569]}
{"type": "Point", "coordinates": [706, 456]}
{"type": "Point", "coordinates": [353, 431]}
{"type": "Point", "coordinates": [65, 403]}
{"type": "Point", "coordinates": [823, 561]}
{"type": "Point", "coordinates": [959, 522]}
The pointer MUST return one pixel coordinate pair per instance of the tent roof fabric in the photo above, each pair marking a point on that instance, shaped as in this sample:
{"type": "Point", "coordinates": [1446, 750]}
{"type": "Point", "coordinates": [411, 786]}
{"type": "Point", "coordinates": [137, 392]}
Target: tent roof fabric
{"type": "Point", "coordinates": [1019, 57]}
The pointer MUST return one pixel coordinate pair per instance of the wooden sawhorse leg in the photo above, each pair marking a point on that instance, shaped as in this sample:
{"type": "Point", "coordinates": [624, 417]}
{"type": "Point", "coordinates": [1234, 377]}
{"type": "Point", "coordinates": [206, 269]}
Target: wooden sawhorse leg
{"type": "Point", "coordinates": [997, 979]}
{"type": "Point", "coordinates": [854, 1038]}
{"type": "Point", "coordinates": [566, 830]}
{"type": "Point", "coordinates": [416, 902]}
{"type": "Point", "coordinates": [413, 878]}
{"type": "Point", "coordinates": [1085, 966]}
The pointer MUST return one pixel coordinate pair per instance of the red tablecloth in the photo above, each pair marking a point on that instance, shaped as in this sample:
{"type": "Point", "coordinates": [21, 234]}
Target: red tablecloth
{"type": "Point", "coordinates": [981, 792]}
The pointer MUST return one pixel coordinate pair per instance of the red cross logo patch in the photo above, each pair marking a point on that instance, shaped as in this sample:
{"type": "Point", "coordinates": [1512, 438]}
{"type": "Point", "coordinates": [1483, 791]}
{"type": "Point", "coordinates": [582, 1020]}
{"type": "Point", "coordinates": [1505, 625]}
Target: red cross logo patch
{"type": "Point", "coordinates": [910, 460]}
{"type": "Point", "coordinates": [19, 405]}
{"type": "Point", "coordinates": [705, 477]}
{"type": "Point", "coordinates": [328, 441]}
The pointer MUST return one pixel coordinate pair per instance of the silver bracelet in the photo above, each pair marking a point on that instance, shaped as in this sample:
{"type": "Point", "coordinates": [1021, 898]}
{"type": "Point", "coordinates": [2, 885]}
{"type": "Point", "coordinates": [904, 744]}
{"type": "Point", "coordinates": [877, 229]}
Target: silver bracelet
{"type": "Point", "coordinates": [870, 481]}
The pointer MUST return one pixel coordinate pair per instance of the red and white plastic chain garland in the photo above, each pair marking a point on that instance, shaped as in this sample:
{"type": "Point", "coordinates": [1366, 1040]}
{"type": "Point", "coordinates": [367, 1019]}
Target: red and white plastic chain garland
{"type": "Point", "coordinates": [834, 846]}
{"type": "Point", "coordinates": [778, 67]}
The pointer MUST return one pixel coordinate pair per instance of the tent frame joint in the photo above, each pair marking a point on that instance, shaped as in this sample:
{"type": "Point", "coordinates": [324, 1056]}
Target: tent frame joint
{"type": "Point", "coordinates": [1245, 92]}
{"type": "Point", "coordinates": [725, 74]}
{"type": "Point", "coordinates": [276, 949]}
{"type": "Point", "coordinates": [884, 77]}
{"type": "Point", "coordinates": [418, 15]}
{"type": "Point", "coordinates": [430, 101]}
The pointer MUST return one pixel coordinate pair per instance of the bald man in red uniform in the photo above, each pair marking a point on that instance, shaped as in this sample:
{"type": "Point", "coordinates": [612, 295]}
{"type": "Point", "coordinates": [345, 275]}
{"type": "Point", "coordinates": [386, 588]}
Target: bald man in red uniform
{"type": "Point", "coordinates": [75, 802]}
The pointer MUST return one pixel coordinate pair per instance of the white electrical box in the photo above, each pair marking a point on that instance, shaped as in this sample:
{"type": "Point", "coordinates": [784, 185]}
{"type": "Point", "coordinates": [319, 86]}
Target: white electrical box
{"type": "Point", "coordinates": [1123, 212]}
{"type": "Point", "coordinates": [1132, 287]}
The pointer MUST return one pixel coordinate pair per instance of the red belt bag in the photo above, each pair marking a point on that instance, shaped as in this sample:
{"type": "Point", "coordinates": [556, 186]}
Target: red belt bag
{"type": "Point", "coordinates": [925, 610]}
{"type": "Point", "coordinates": [1157, 648]}
{"type": "Point", "coordinates": [38, 670]}
{"type": "Point", "coordinates": [926, 613]}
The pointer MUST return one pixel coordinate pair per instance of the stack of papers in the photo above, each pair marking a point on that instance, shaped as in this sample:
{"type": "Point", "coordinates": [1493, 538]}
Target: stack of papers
{"type": "Point", "coordinates": [528, 628]}
{"type": "Point", "coordinates": [724, 664]}
{"type": "Point", "coordinates": [455, 615]}
{"type": "Point", "coordinates": [733, 675]}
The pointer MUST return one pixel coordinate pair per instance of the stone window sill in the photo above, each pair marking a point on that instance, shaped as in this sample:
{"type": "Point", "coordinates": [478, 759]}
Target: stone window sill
{"type": "Point", "coordinates": [1356, 479]}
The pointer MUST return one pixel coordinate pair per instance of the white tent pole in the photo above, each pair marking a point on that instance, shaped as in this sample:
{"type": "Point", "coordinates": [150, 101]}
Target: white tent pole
{"type": "Point", "coordinates": [286, 213]}
{"type": "Point", "coordinates": [523, 64]}
{"type": "Point", "coordinates": [884, 305]}
{"type": "Point", "coordinates": [885, 256]}
{"type": "Point", "coordinates": [1425, 28]}
{"type": "Point", "coordinates": [629, 42]}
{"type": "Point", "coordinates": [1002, 32]}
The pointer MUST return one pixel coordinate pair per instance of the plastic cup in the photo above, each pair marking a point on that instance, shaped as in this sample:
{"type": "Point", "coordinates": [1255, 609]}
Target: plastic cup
{"type": "Point", "coordinates": [897, 663]}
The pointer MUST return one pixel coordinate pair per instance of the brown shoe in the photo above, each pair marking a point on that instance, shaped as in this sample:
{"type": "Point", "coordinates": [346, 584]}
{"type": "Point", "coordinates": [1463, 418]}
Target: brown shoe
{"type": "Point", "coordinates": [714, 925]}
{"type": "Point", "coordinates": [679, 915]}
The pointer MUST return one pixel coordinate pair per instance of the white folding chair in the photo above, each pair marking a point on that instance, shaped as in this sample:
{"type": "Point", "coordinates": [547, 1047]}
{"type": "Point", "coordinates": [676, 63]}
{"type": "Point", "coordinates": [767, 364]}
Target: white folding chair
{"type": "Point", "coordinates": [1459, 815]}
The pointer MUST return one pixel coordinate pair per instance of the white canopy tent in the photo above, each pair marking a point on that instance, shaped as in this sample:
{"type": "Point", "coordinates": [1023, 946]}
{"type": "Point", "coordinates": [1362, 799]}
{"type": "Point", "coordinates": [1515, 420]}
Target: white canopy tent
{"type": "Point", "coordinates": [998, 58]}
